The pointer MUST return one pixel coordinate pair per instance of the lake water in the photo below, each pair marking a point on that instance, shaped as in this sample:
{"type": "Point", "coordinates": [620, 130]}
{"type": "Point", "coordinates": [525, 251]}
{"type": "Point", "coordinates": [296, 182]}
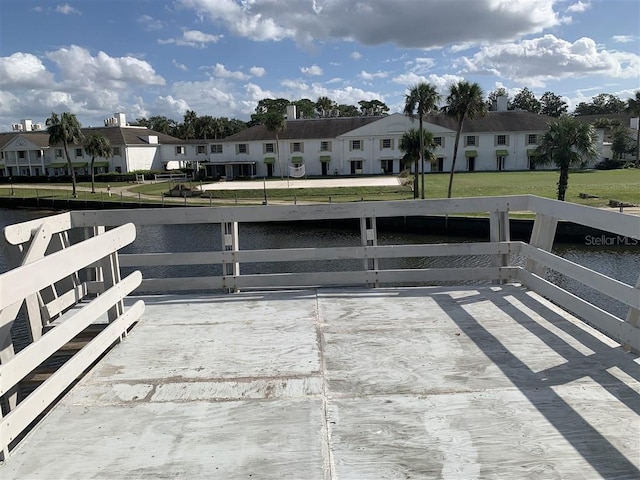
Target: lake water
{"type": "Point", "coordinates": [617, 260]}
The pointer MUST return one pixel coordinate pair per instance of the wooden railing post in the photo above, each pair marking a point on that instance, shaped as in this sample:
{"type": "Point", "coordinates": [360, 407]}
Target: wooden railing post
{"type": "Point", "coordinates": [230, 243]}
{"type": "Point", "coordinates": [542, 236]}
{"type": "Point", "coordinates": [499, 231]}
{"type": "Point", "coordinates": [369, 238]}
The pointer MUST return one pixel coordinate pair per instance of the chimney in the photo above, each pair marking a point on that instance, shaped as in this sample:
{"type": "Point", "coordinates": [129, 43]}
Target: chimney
{"type": "Point", "coordinates": [121, 119]}
{"type": "Point", "coordinates": [27, 125]}
{"type": "Point", "coordinates": [291, 112]}
{"type": "Point", "coordinates": [501, 104]}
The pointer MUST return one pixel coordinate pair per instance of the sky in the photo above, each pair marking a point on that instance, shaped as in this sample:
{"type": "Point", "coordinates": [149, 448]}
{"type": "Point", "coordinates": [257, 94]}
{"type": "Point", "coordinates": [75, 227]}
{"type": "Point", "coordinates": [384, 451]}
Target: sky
{"type": "Point", "coordinates": [220, 57]}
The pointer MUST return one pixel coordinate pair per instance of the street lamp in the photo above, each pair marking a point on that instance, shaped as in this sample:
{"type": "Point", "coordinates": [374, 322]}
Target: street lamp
{"type": "Point", "coordinates": [11, 181]}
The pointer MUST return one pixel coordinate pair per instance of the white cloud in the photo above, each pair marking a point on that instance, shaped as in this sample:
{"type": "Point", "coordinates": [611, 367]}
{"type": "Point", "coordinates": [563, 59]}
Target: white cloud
{"type": "Point", "coordinates": [441, 82]}
{"type": "Point", "coordinates": [192, 38]}
{"type": "Point", "coordinates": [313, 70]}
{"type": "Point", "coordinates": [371, 76]}
{"type": "Point", "coordinates": [257, 71]}
{"type": "Point", "coordinates": [535, 62]}
{"type": "Point", "coordinates": [221, 71]}
{"type": "Point", "coordinates": [173, 107]}
{"type": "Point", "coordinates": [67, 9]}
{"type": "Point", "coordinates": [623, 38]}
{"type": "Point", "coordinates": [179, 66]}
{"type": "Point", "coordinates": [23, 70]}
{"type": "Point", "coordinates": [579, 7]}
{"type": "Point", "coordinates": [355, 55]}
{"type": "Point", "coordinates": [149, 23]}
{"type": "Point", "coordinates": [406, 24]}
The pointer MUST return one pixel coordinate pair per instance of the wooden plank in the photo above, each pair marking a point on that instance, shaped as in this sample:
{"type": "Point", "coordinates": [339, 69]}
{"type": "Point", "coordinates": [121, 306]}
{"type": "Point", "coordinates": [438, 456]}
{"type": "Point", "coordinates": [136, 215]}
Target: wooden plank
{"type": "Point", "coordinates": [311, 254]}
{"type": "Point", "coordinates": [22, 232]}
{"type": "Point", "coordinates": [36, 353]}
{"type": "Point", "coordinates": [622, 332]}
{"type": "Point", "coordinates": [282, 213]}
{"type": "Point", "coordinates": [46, 271]}
{"type": "Point", "coordinates": [32, 406]}
{"type": "Point", "coordinates": [613, 288]}
{"type": "Point", "coordinates": [609, 221]}
{"type": "Point", "coordinates": [66, 300]}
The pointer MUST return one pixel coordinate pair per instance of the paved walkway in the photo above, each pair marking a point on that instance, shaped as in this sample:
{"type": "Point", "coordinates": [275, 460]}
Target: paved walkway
{"type": "Point", "coordinates": [378, 181]}
{"type": "Point", "coordinates": [443, 383]}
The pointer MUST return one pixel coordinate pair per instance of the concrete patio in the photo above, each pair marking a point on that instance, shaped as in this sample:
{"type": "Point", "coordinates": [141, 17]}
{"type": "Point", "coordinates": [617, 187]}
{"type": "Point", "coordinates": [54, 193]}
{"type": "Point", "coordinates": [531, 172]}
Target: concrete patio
{"type": "Point", "coordinates": [452, 383]}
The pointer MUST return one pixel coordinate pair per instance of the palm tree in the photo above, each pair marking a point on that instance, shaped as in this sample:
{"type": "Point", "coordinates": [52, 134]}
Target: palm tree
{"type": "Point", "coordinates": [633, 107]}
{"type": "Point", "coordinates": [567, 142]}
{"type": "Point", "coordinates": [324, 105]}
{"type": "Point", "coordinates": [464, 101]}
{"type": "Point", "coordinates": [413, 145]}
{"type": "Point", "coordinates": [65, 129]}
{"type": "Point", "coordinates": [97, 145]}
{"type": "Point", "coordinates": [422, 100]}
{"type": "Point", "coordinates": [275, 122]}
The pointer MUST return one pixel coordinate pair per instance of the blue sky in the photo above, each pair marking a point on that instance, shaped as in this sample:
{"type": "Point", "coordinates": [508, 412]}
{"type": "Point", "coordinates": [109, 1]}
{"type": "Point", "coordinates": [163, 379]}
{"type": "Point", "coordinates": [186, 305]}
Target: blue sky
{"type": "Point", "coordinates": [220, 57]}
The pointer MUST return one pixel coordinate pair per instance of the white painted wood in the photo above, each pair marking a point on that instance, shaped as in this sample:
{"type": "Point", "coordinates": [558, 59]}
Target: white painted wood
{"type": "Point", "coordinates": [609, 221]}
{"type": "Point", "coordinates": [44, 272]}
{"type": "Point", "coordinates": [76, 321]}
{"type": "Point", "coordinates": [29, 409]}
{"type": "Point", "coordinates": [64, 301]}
{"type": "Point", "coordinates": [613, 288]}
{"type": "Point", "coordinates": [622, 332]}
{"type": "Point", "coordinates": [542, 236]}
{"type": "Point", "coordinates": [300, 212]}
{"type": "Point", "coordinates": [22, 232]}
{"type": "Point", "coordinates": [335, 253]}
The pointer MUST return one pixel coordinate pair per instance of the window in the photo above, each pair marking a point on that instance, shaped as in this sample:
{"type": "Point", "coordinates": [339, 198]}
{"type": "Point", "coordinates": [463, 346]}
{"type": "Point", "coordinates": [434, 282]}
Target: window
{"type": "Point", "coordinates": [58, 153]}
{"type": "Point", "coordinates": [118, 169]}
{"type": "Point", "coordinates": [180, 150]}
{"type": "Point", "coordinates": [269, 148]}
{"type": "Point", "coordinates": [532, 139]}
{"type": "Point", "coordinates": [386, 143]}
{"type": "Point", "coordinates": [217, 148]}
{"type": "Point", "coordinates": [201, 149]}
{"type": "Point", "coordinates": [470, 141]}
{"type": "Point", "coordinates": [242, 148]}
{"type": "Point", "coordinates": [296, 147]}
{"type": "Point", "coordinates": [501, 140]}
{"type": "Point", "coordinates": [439, 141]}
{"type": "Point", "coordinates": [78, 152]}
{"type": "Point", "coordinates": [116, 151]}
{"type": "Point", "coordinates": [21, 154]}
{"type": "Point", "coordinates": [325, 146]}
{"type": "Point", "coordinates": [356, 145]}
{"type": "Point", "coordinates": [356, 167]}
{"type": "Point", "coordinates": [386, 166]}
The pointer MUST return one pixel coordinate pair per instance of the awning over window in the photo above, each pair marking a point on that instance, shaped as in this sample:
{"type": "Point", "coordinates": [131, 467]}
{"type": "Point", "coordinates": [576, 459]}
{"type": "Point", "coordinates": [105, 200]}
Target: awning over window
{"type": "Point", "coordinates": [471, 153]}
{"type": "Point", "coordinates": [502, 153]}
{"type": "Point", "coordinates": [100, 164]}
{"type": "Point", "coordinates": [270, 160]}
{"type": "Point", "coordinates": [532, 152]}
{"type": "Point", "coordinates": [297, 160]}
{"type": "Point", "coordinates": [325, 158]}
{"type": "Point", "coordinates": [79, 164]}
{"type": "Point", "coordinates": [57, 165]}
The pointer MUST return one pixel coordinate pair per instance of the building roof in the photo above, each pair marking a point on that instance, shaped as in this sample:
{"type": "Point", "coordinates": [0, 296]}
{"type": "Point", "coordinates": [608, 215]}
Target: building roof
{"type": "Point", "coordinates": [319, 128]}
{"type": "Point", "coordinates": [509, 121]}
{"type": "Point", "coordinates": [115, 135]}
{"type": "Point", "coordinates": [39, 138]}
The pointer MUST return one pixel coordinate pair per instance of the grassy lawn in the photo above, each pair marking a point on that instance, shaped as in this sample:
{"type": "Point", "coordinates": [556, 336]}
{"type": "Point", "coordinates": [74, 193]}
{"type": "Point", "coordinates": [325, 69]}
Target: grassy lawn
{"type": "Point", "coordinates": [623, 185]}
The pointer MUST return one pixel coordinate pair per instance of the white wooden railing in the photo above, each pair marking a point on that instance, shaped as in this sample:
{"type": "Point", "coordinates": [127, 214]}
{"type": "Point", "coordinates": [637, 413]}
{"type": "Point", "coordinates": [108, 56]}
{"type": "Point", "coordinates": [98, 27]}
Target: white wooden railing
{"type": "Point", "coordinates": [52, 279]}
{"type": "Point", "coordinates": [532, 272]}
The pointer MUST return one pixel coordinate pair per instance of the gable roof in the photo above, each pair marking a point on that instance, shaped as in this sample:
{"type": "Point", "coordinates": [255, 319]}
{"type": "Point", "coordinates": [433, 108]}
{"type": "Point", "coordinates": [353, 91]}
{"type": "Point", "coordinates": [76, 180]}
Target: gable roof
{"type": "Point", "coordinates": [39, 138]}
{"type": "Point", "coordinates": [509, 121]}
{"type": "Point", "coordinates": [115, 135]}
{"type": "Point", "coordinates": [318, 128]}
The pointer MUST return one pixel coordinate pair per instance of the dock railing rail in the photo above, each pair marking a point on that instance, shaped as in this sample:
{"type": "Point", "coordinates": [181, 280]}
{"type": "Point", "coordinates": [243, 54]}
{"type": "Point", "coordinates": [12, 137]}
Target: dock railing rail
{"type": "Point", "coordinates": [51, 279]}
{"type": "Point", "coordinates": [536, 259]}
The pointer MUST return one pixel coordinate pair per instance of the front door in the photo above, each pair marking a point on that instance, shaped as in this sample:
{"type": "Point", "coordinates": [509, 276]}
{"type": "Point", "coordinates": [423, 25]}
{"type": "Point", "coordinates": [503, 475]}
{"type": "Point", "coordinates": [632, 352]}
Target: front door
{"type": "Point", "coordinates": [325, 168]}
{"type": "Point", "coordinates": [269, 170]}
